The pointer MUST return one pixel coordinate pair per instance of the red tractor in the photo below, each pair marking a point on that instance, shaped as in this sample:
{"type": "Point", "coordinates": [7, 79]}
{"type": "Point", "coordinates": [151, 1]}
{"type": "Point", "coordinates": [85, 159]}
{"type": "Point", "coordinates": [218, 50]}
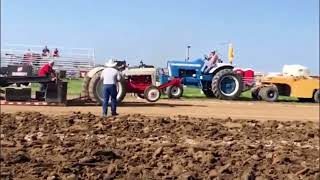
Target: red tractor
{"type": "Point", "coordinates": [138, 80]}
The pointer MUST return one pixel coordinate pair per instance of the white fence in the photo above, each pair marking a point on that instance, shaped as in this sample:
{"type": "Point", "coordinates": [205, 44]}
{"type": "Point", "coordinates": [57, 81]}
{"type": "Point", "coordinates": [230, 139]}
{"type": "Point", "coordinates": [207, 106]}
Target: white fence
{"type": "Point", "coordinates": [72, 60]}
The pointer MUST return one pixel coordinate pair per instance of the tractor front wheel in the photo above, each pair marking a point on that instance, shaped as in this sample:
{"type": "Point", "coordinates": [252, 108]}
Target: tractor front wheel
{"type": "Point", "coordinates": [152, 94]}
{"type": "Point", "coordinates": [175, 91]}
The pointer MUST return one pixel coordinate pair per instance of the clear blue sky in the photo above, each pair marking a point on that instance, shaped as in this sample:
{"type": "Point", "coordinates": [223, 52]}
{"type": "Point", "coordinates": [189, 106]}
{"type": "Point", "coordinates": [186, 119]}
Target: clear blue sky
{"type": "Point", "coordinates": [266, 33]}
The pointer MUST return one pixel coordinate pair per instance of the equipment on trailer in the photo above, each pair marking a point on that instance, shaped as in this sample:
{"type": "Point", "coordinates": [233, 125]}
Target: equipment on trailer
{"type": "Point", "coordinates": [222, 81]}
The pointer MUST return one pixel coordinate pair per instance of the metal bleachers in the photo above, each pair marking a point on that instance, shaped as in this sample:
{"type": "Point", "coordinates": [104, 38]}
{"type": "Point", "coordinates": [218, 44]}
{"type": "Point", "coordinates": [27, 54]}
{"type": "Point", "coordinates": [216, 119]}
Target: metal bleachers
{"type": "Point", "coordinates": [72, 60]}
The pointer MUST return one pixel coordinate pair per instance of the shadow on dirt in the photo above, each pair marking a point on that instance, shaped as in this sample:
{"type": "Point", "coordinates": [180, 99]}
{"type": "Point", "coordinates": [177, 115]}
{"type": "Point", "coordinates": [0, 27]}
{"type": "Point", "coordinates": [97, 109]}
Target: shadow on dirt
{"type": "Point", "coordinates": [133, 104]}
{"type": "Point", "coordinates": [147, 104]}
{"type": "Point", "coordinates": [240, 99]}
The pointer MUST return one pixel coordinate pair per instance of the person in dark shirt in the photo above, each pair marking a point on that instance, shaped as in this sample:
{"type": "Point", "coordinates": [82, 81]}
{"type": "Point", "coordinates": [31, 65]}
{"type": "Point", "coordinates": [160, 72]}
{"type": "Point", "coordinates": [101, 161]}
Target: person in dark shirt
{"type": "Point", "coordinates": [55, 53]}
{"type": "Point", "coordinates": [45, 51]}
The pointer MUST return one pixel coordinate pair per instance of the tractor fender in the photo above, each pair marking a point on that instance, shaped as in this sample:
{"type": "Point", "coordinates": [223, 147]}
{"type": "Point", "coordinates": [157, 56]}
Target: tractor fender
{"type": "Point", "coordinates": [94, 71]}
{"type": "Point", "coordinates": [219, 67]}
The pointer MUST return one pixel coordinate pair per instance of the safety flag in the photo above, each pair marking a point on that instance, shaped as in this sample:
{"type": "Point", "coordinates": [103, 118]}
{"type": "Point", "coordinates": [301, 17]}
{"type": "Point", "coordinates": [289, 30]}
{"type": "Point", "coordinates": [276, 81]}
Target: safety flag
{"type": "Point", "coordinates": [230, 53]}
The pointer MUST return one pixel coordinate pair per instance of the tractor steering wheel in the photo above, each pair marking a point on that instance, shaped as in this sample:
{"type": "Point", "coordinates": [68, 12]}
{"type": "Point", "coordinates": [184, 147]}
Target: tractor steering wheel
{"type": "Point", "coordinates": [206, 57]}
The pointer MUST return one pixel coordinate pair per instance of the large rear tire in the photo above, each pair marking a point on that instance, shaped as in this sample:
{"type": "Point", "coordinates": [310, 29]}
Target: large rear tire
{"type": "Point", "coordinates": [269, 93]}
{"type": "Point", "coordinates": [96, 89]}
{"type": "Point", "coordinates": [175, 92]}
{"type": "Point", "coordinates": [85, 86]}
{"type": "Point", "coordinates": [227, 85]}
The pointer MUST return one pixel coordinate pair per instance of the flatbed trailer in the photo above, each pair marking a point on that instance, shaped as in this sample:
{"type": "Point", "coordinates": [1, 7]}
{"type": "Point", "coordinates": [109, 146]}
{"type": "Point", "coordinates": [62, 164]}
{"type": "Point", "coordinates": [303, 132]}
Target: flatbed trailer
{"type": "Point", "coordinates": [6, 81]}
{"type": "Point", "coordinates": [55, 94]}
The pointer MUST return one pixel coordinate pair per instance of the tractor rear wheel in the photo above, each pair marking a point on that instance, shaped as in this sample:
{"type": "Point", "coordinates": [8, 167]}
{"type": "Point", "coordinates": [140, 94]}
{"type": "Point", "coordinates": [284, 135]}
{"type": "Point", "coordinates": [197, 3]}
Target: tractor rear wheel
{"type": "Point", "coordinates": [316, 96]}
{"type": "Point", "coordinates": [85, 86]}
{"type": "Point", "coordinates": [96, 89]}
{"type": "Point", "coordinates": [175, 91]}
{"type": "Point", "coordinates": [269, 93]}
{"type": "Point", "coordinates": [152, 94]}
{"type": "Point", "coordinates": [227, 85]}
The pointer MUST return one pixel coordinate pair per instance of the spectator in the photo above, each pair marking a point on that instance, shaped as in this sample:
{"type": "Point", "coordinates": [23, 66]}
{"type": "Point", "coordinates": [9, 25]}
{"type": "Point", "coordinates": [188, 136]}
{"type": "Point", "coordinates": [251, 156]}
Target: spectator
{"type": "Point", "coordinates": [27, 57]}
{"type": "Point", "coordinates": [45, 51]}
{"type": "Point", "coordinates": [55, 53]}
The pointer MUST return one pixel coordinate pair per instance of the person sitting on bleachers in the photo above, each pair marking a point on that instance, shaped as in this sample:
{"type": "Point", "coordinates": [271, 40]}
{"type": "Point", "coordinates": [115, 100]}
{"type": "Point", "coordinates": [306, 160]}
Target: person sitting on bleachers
{"type": "Point", "coordinates": [56, 53]}
{"type": "Point", "coordinates": [27, 57]}
{"type": "Point", "coordinates": [45, 51]}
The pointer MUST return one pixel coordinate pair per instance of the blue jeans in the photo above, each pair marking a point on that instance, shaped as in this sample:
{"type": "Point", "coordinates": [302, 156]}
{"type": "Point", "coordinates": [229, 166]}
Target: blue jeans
{"type": "Point", "coordinates": [109, 90]}
{"type": "Point", "coordinates": [43, 87]}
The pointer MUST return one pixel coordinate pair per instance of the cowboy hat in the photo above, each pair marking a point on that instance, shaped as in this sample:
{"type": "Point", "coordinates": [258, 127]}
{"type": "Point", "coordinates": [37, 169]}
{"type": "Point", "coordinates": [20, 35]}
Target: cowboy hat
{"type": "Point", "coordinates": [110, 63]}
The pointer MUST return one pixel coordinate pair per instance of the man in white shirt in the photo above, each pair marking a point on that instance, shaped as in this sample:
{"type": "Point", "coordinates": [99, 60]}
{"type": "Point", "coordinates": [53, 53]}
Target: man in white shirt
{"type": "Point", "coordinates": [110, 77]}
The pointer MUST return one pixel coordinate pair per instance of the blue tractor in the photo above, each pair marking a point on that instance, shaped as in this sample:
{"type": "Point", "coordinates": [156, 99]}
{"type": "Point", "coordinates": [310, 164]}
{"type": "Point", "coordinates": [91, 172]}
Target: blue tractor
{"type": "Point", "coordinates": [221, 81]}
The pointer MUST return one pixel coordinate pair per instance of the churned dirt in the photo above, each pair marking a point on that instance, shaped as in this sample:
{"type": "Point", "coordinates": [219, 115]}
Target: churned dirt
{"type": "Point", "coordinates": [201, 108]}
{"type": "Point", "coordinates": [86, 146]}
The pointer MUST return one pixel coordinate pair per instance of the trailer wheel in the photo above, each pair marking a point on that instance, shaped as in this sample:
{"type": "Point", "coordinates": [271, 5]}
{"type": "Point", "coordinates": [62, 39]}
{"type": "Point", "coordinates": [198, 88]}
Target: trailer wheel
{"type": "Point", "coordinates": [255, 93]}
{"type": "Point", "coordinates": [85, 86]}
{"type": "Point", "coordinates": [227, 85]}
{"type": "Point", "coordinates": [96, 89]}
{"type": "Point", "coordinates": [316, 96]}
{"type": "Point", "coordinates": [269, 93]}
{"type": "Point", "coordinates": [175, 91]}
{"type": "Point", "coordinates": [152, 94]}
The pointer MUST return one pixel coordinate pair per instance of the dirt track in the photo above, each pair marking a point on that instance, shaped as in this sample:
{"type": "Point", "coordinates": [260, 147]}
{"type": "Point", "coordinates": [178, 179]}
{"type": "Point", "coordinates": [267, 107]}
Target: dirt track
{"type": "Point", "coordinates": [203, 108]}
{"type": "Point", "coordinates": [84, 146]}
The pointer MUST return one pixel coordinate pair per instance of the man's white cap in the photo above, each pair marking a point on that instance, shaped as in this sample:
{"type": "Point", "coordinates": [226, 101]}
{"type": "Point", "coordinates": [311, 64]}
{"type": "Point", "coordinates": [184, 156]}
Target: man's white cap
{"type": "Point", "coordinates": [110, 63]}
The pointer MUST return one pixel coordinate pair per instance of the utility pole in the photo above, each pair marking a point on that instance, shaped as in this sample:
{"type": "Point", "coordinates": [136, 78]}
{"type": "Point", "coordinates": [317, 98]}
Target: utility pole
{"type": "Point", "coordinates": [188, 53]}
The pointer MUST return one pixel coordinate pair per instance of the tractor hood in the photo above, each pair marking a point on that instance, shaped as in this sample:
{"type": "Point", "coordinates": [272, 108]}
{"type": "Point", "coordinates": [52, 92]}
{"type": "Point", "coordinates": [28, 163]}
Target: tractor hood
{"type": "Point", "coordinates": [175, 68]}
{"type": "Point", "coordinates": [193, 63]}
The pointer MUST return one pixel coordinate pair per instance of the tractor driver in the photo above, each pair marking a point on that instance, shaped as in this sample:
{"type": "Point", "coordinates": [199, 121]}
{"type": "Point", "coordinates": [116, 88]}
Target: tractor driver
{"type": "Point", "coordinates": [212, 61]}
{"type": "Point", "coordinates": [46, 70]}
